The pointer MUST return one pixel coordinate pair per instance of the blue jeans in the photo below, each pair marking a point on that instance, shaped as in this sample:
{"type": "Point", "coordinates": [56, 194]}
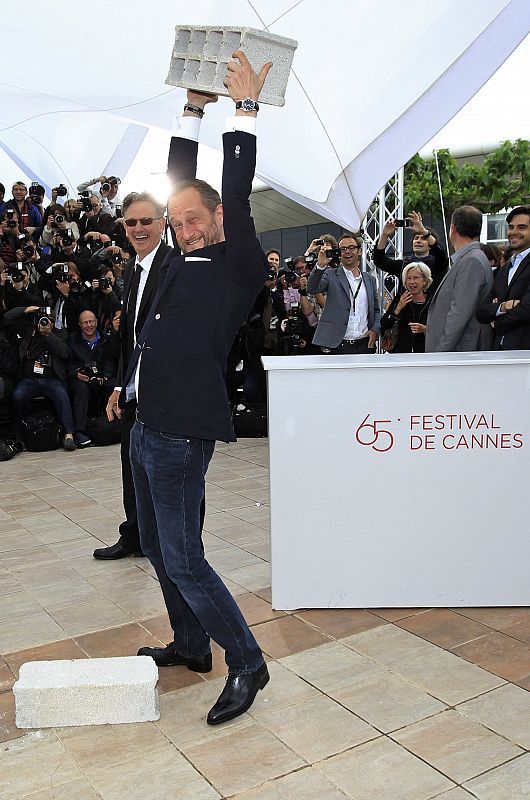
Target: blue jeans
{"type": "Point", "coordinates": [28, 388]}
{"type": "Point", "coordinates": [168, 472]}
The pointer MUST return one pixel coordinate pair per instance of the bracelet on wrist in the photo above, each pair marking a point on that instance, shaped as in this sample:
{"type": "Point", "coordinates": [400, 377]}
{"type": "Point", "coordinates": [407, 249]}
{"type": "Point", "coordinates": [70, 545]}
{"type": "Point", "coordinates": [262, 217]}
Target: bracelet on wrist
{"type": "Point", "coordinates": [194, 110]}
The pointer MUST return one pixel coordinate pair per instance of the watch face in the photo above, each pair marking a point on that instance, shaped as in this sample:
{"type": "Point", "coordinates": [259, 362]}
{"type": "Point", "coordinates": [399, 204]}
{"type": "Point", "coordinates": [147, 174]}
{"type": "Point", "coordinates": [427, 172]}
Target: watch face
{"type": "Point", "coordinates": [248, 104]}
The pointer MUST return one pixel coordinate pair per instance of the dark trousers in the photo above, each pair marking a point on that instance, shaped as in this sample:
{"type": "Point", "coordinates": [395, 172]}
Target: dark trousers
{"type": "Point", "coordinates": [38, 386]}
{"type": "Point", "coordinates": [169, 475]}
{"type": "Point", "coordinates": [83, 394]}
{"type": "Point", "coordinates": [357, 347]}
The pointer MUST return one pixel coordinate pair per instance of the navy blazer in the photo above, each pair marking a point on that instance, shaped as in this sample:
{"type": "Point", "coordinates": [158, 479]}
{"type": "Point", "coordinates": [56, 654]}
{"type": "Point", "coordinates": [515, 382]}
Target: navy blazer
{"type": "Point", "coordinates": [513, 327]}
{"type": "Point", "coordinates": [203, 300]}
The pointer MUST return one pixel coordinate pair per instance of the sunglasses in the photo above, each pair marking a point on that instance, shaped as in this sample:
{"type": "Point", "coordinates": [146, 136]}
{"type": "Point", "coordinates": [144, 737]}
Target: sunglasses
{"type": "Point", "coordinates": [131, 222]}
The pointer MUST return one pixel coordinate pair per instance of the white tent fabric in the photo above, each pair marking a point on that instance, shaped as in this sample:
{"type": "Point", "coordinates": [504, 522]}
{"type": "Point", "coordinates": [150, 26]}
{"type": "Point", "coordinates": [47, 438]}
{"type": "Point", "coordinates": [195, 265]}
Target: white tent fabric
{"type": "Point", "coordinates": [371, 84]}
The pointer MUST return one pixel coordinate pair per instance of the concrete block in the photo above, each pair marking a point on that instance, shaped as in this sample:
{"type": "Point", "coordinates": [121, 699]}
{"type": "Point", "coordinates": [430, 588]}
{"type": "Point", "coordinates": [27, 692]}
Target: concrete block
{"type": "Point", "coordinates": [92, 691]}
{"type": "Point", "coordinates": [201, 54]}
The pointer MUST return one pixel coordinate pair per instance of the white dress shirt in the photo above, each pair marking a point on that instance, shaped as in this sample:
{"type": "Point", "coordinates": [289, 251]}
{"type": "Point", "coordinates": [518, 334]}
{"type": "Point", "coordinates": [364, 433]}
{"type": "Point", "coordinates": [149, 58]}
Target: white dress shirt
{"type": "Point", "coordinates": [358, 319]}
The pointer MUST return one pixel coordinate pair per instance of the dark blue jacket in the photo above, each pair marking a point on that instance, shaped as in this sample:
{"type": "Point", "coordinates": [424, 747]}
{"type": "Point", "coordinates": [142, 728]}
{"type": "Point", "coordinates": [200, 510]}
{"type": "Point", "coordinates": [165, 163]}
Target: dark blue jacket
{"type": "Point", "coordinates": [204, 298]}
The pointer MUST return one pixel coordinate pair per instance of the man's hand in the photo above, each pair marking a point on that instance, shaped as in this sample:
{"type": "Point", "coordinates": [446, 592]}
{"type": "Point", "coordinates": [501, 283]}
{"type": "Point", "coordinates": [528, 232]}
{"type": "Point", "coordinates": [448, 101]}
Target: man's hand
{"type": "Point", "coordinates": [389, 228]}
{"type": "Point", "coordinates": [199, 99]}
{"type": "Point", "coordinates": [509, 304]}
{"type": "Point", "coordinates": [242, 81]}
{"type": "Point", "coordinates": [417, 224]}
{"type": "Point", "coordinates": [64, 288]}
{"type": "Point", "coordinates": [4, 275]}
{"type": "Point", "coordinates": [417, 327]}
{"type": "Point", "coordinates": [113, 409]}
{"type": "Point", "coordinates": [82, 378]}
{"type": "Point", "coordinates": [45, 330]}
{"type": "Point", "coordinates": [323, 260]}
{"type": "Point", "coordinates": [31, 309]}
{"type": "Point", "coordinates": [372, 338]}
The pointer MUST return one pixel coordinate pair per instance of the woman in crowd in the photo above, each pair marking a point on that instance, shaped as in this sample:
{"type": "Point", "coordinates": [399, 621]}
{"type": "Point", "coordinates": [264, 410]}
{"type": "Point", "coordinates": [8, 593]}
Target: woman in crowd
{"type": "Point", "coordinates": [55, 221]}
{"type": "Point", "coordinates": [404, 324]}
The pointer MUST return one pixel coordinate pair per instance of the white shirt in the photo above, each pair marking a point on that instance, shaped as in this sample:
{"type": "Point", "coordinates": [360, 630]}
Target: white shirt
{"type": "Point", "coordinates": [358, 320]}
{"type": "Point", "coordinates": [516, 260]}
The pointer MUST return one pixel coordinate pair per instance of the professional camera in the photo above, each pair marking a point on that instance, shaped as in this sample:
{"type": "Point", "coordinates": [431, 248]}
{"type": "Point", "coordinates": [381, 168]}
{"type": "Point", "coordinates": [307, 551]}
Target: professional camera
{"type": "Point", "coordinates": [10, 216]}
{"type": "Point", "coordinates": [104, 283]}
{"type": "Point", "coordinates": [91, 371]}
{"type": "Point", "coordinates": [118, 211]}
{"type": "Point", "coordinates": [334, 254]}
{"type": "Point", "coordinates": [28, 250]}
{"type": "Point", "coordinates": [112, 180]}
{"type": "Point", "coordinates": [271, 275]}
{"type": "Point", "coordinates": [42, 316]}
{"type": "Point", "coordinates": [84, 199]}
{"type": "Point", "coordinates": [293, 327]}
{"type": "Point", "coordinates": [60, 272]}
{"type": "Point", "coordinates": [311, 259]}
{"type": "Point", "coordinates": [288, 272]}
{"type": "Point", "coordinates": [67, 236]}
{"type": "Point", "coordinates": [16, 272]}
{"type": "Point", "coordinates": [61, 190]}
{"type": "Point", "coordinates": [36, 192]}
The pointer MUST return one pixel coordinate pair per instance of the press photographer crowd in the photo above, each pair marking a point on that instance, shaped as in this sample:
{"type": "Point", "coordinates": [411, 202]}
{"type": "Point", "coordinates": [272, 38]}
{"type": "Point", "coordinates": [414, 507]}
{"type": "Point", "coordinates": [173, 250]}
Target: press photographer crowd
{"type": "Point", "coordinates": [62, 339]}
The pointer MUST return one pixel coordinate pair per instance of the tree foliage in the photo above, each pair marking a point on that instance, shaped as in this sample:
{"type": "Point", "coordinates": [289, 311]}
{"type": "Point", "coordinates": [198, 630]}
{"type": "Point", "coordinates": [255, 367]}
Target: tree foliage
{"type": "Point", "coordinates": [501, 181]}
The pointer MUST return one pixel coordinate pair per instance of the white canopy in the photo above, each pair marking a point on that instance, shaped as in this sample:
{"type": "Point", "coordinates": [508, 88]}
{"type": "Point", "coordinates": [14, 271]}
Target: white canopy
{"type": "Point", "coordinates": [371, 84]}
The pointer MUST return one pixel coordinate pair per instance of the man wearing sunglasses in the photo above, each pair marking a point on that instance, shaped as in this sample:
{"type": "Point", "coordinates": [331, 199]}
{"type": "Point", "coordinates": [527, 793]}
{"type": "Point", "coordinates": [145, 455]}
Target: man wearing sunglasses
{"type": "Point", "coordinates": [177, 374]}
{"type": "Point", "coordinates": [350, 321]}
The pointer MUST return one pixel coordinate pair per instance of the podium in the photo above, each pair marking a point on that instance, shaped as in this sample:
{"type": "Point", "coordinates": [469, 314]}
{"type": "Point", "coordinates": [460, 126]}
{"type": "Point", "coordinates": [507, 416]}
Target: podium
{"type": "Point", "coordinates": [400, 480]}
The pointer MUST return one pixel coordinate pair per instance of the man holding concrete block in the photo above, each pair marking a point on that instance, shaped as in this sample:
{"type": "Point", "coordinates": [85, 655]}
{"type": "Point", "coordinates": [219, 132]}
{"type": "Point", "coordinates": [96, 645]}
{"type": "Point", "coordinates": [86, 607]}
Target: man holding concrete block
{"type": "Point", "coordinates": [177, 373]}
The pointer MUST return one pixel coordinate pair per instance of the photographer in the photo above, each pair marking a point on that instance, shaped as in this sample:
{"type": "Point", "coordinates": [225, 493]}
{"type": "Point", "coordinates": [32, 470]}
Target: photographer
{"type": "Point", "coordinates": [32, 257]}
{"type": "Point", "coordinates": [44, 355]}
{"type": "Point", "coordinates": [17, 289]}
{"type": "Point", "coordinates": [9, 236]}
{"type": "Point", "coordinates": [101, 297]}
{"type": "Point", "coordinates": [8, 366]}
{"type": "Point", "coordinates": [113, 257]}
{"type": "Point", "coordinates": [296, 332]}
{"type": "Point", "coordinates": [68, 294]}
{"type": "Point", "coordinates": [74, 252]}
{"type": "Point", "coordinates": [273, 259]}
{"type": "Point", "coordinates": [36, 195]}
{"type": "Point", "coordinates": [425, 248]}
{"type": "Point", "coordinates": [55, 223]}
{"type": "Point", "coordinates": [108, 192]}
{"type": "Point", "coordinates": [91, 373]}
{"type": "Point", "coordinates": [3, 204]}
{"type": "Point", "coordinates": [95, 224]}
{"type": "Point", "coordinates": [27, 215]}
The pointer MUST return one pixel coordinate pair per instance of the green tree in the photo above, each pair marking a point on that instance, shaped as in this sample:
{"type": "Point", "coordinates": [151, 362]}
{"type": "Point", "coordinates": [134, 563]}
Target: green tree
{"type": "Point", "coordinates": [502, 180]}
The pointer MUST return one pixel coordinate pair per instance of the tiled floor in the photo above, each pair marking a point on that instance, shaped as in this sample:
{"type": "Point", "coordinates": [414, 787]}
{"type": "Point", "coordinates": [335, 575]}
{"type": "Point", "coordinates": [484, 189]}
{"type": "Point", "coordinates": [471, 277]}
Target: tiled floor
{"type": "Point", "coordinates": [379, 704]}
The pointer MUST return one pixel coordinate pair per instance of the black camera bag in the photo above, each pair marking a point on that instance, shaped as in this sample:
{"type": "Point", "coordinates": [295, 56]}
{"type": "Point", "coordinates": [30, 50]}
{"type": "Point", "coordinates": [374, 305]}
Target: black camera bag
{"type": "Point", "coordinates": [41, 432]}
{"type": "Point", "coordinates": [103, 432]}
{"type": "Point", "coordinates": [250, 420]}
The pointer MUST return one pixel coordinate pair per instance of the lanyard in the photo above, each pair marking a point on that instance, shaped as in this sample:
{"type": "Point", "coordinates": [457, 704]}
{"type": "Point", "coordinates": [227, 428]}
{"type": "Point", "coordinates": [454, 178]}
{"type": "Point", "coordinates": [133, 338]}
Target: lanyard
{"type": "Point", "coordinates": [354, 296]}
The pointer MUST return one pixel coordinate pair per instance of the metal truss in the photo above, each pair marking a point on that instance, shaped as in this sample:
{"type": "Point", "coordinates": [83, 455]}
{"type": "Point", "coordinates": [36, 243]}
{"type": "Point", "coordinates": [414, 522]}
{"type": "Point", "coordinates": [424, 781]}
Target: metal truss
{"type": "Point", "coordinates": [387, 204]}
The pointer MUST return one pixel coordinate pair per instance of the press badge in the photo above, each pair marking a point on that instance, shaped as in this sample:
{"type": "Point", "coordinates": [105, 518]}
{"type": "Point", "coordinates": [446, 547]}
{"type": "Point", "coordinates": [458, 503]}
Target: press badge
{"type": "Point", "coordinates": [354, 322]}
{"type": "Point", "coordinates": [38, 367]}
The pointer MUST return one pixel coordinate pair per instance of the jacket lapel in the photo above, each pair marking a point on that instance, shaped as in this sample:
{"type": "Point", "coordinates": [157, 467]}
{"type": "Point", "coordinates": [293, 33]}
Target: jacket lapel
{"type": "Point", "coordinates": [525, 263]}
{"type": "Point", "coordinates": [343, 280]}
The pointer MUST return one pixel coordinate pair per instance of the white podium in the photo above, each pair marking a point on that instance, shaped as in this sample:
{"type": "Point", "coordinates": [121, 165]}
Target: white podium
{"type": "Point", "coordinates": [400, 480]}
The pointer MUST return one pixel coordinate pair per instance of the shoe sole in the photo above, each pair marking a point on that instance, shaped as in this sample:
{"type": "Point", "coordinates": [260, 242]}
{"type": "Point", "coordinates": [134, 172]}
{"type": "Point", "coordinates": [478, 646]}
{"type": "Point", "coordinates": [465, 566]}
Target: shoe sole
{"type": "Point", "coordinates": [266, 678]}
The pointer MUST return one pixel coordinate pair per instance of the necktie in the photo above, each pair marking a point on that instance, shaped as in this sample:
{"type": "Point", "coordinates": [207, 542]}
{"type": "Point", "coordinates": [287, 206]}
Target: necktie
{"type": "Point", "coordinates": [131, 302]}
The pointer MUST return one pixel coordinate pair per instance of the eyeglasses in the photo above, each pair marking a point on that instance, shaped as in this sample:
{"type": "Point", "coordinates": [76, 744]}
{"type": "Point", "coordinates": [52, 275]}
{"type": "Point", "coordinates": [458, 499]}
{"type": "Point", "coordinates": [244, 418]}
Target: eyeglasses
{"type": "Point", "coordinates": [131, 222]}
{"type": "Point", "coordinates": [94, 205]}
{"type": "Point", "coordinates": [348, 247]}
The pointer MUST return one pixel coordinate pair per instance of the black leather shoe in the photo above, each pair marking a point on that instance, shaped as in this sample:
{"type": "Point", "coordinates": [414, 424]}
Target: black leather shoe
{"type": "Point", "coordinates": [168, 657]}
{"type": "Point", "coordinates": [115, 551]}
{"type": "Point", "coordinates": [238, 695]}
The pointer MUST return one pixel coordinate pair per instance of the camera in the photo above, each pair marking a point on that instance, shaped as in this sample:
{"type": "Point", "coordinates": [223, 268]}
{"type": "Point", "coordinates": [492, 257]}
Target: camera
{"type": "Point", "coordinates": [61, 190]}
{"type": "Point", "coordinates": [35, 192]}
{"type": "Point", "coordinates": [84, 199]}
{"type": "Point", "coordinates": [67, 237]}
{"type": "Point", "coordinates": [91, 371]}
{"type": "Point", "coordinates": [42, 316]}
{"type": "Point", "coordinates": [293, 327]}
{"type": "Point", "coordinates": [60, 272]}
{"type": "Point", "coordinates": [106, 186]}
{"type": "Point", "coordinates": [59, 218]}
{"type": "Point", "coordinates": [118, 211]}
{"type": "Point", "coordinates": [404, 223]}
{"type": "Point", "coordinates": [104, 283]}
{"type": "Point", "coordinates": [16, 272]}
{"type": "Point", "coordinates": [271, 275]}
{"type": "Point", "coordinates": [288, 272]}
{"type": "Point", "coordinates": [311, 259]}
{"type": "Point", "coordinates": [334, 254]}
{"type": "Point", "coordinates": [319, 242]}
{"type": "Point", "coordinates": [11, 221]}
{"type": "Point", "coordinates": [28, 250]}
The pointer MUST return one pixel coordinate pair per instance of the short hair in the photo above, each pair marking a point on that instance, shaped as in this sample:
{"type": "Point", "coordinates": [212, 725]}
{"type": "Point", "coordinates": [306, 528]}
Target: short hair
{"type": "Point", "coordinates": [329, 239]}
{"type": "Point", "coordinates": [2, 188]}
{"type": "Point", "coordinates": [272, 250]}
{"type": "Point", "coordinates": [423, 268]}
{"type": "Point", "coordinates": [467, 221]}
{"type": "Point", "coordinates": [299, 260]}
{"type": "Point", "coordinates": [209, 196]}
{"type": "Point", "coordinates": [143, 197]}
{"type": "Point", "coordinates": [20, 183]}
{"type": "Point", "coordinates": [516, 211]}
{"type": "Point", "coordinates": [348, 235]}
{"type": "Point", "coordinates": [492, 252]}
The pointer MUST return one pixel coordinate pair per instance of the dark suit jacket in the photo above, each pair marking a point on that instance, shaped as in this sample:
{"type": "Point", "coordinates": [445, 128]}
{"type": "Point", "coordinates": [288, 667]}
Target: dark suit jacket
{"type": "Point", "coordinates": [513, 327]}
{"type": "Point", "coordinates": [204, 298]}
{"type": "Point", "coordinates": [182, 164]}
{"type": "Point", "coordinates": [334, 320]}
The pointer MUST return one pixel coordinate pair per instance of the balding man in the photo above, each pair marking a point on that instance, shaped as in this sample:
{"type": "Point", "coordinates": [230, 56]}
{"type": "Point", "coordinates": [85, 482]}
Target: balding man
{"type": "Point", "coordinates": [90, 373]}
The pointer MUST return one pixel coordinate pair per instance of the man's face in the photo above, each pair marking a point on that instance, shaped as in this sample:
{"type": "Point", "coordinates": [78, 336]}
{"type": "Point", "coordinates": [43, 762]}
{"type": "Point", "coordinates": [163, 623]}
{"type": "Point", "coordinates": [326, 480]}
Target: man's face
{"type": "Point", "coordinates": [143, 237]}
{"type": "Point", "coordinates": [88, 324]}
{"type": "Point", "coordinates": [519, 233]}
{"type": "Point", "coordinates": [274, 261]}
{"type": "Point", "coordinates": [110, 276]}
{"type": "Point", "coordinates": [419, 245]}
{"type": "Point", "coordinates": [96, 206]}
{"type": "Point", "coordinates": [19, 192]}
{"type": "Point", "coordinates": [350, 252]}
{"type": "Point", "coordinates": [73, 274]}
{"type": "Point", "coordinates": [113, 191]}
{"type": "Point", "coordinates": [194, 224]}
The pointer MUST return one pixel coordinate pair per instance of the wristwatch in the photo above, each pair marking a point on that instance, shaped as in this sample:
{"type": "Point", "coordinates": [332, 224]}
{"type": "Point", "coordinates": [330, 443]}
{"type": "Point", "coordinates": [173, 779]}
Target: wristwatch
{"type": "Point", "coordinates": [194, 110]}
{"type": "Point", "coordinates": [247, 104]}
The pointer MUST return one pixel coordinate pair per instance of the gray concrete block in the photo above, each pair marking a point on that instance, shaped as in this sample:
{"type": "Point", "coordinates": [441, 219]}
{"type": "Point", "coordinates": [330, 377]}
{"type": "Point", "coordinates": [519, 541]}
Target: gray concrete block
{"type": "Point", "coordinates": [201, 54]}
{"type": "Point", "coordinates": [92, 691]}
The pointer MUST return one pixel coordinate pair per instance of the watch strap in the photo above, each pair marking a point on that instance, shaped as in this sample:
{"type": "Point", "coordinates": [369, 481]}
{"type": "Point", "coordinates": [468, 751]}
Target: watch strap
{"type": "Point", "coordinates": [194, 110]}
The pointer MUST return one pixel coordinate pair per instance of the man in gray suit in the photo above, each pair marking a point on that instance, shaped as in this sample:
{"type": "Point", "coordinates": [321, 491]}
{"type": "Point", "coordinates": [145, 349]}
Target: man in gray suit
{"type": "Point", "coordinates": [451, 322]}
{"type": "Point", "coordinates": [350, 322]}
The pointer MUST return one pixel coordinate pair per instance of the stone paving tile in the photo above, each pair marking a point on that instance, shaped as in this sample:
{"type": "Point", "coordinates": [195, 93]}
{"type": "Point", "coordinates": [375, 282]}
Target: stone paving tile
{"type": "Point", "coordinates": [457, 746]}
{"type": "Point", "coordinates": [306, 783]}
{"type": "Point", "coordinates": [8, 729]}
{"type": "Point", "coordinates": [505, 710]}
{"type": "Point", "coordinates": [57, 651]}
{"type": "Point", "coordinates": [509, 782]}
{"type": "Point", "coordinates": [283, 637]}
{"type": "Point", "coordinates": [34, 761]}
{"type": "Point", "coordinates": [331, 666]}
{"type": "Point", "coordinates": [124, 640]}
{"type": "Point", "coordinates": [443, 627]}
{"type": "Point", "coordinates": [382, 770]}
{"type": "Point", "coordinates": [340, 622]}
{"type": "Point", "coordinates": [500, 654]}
